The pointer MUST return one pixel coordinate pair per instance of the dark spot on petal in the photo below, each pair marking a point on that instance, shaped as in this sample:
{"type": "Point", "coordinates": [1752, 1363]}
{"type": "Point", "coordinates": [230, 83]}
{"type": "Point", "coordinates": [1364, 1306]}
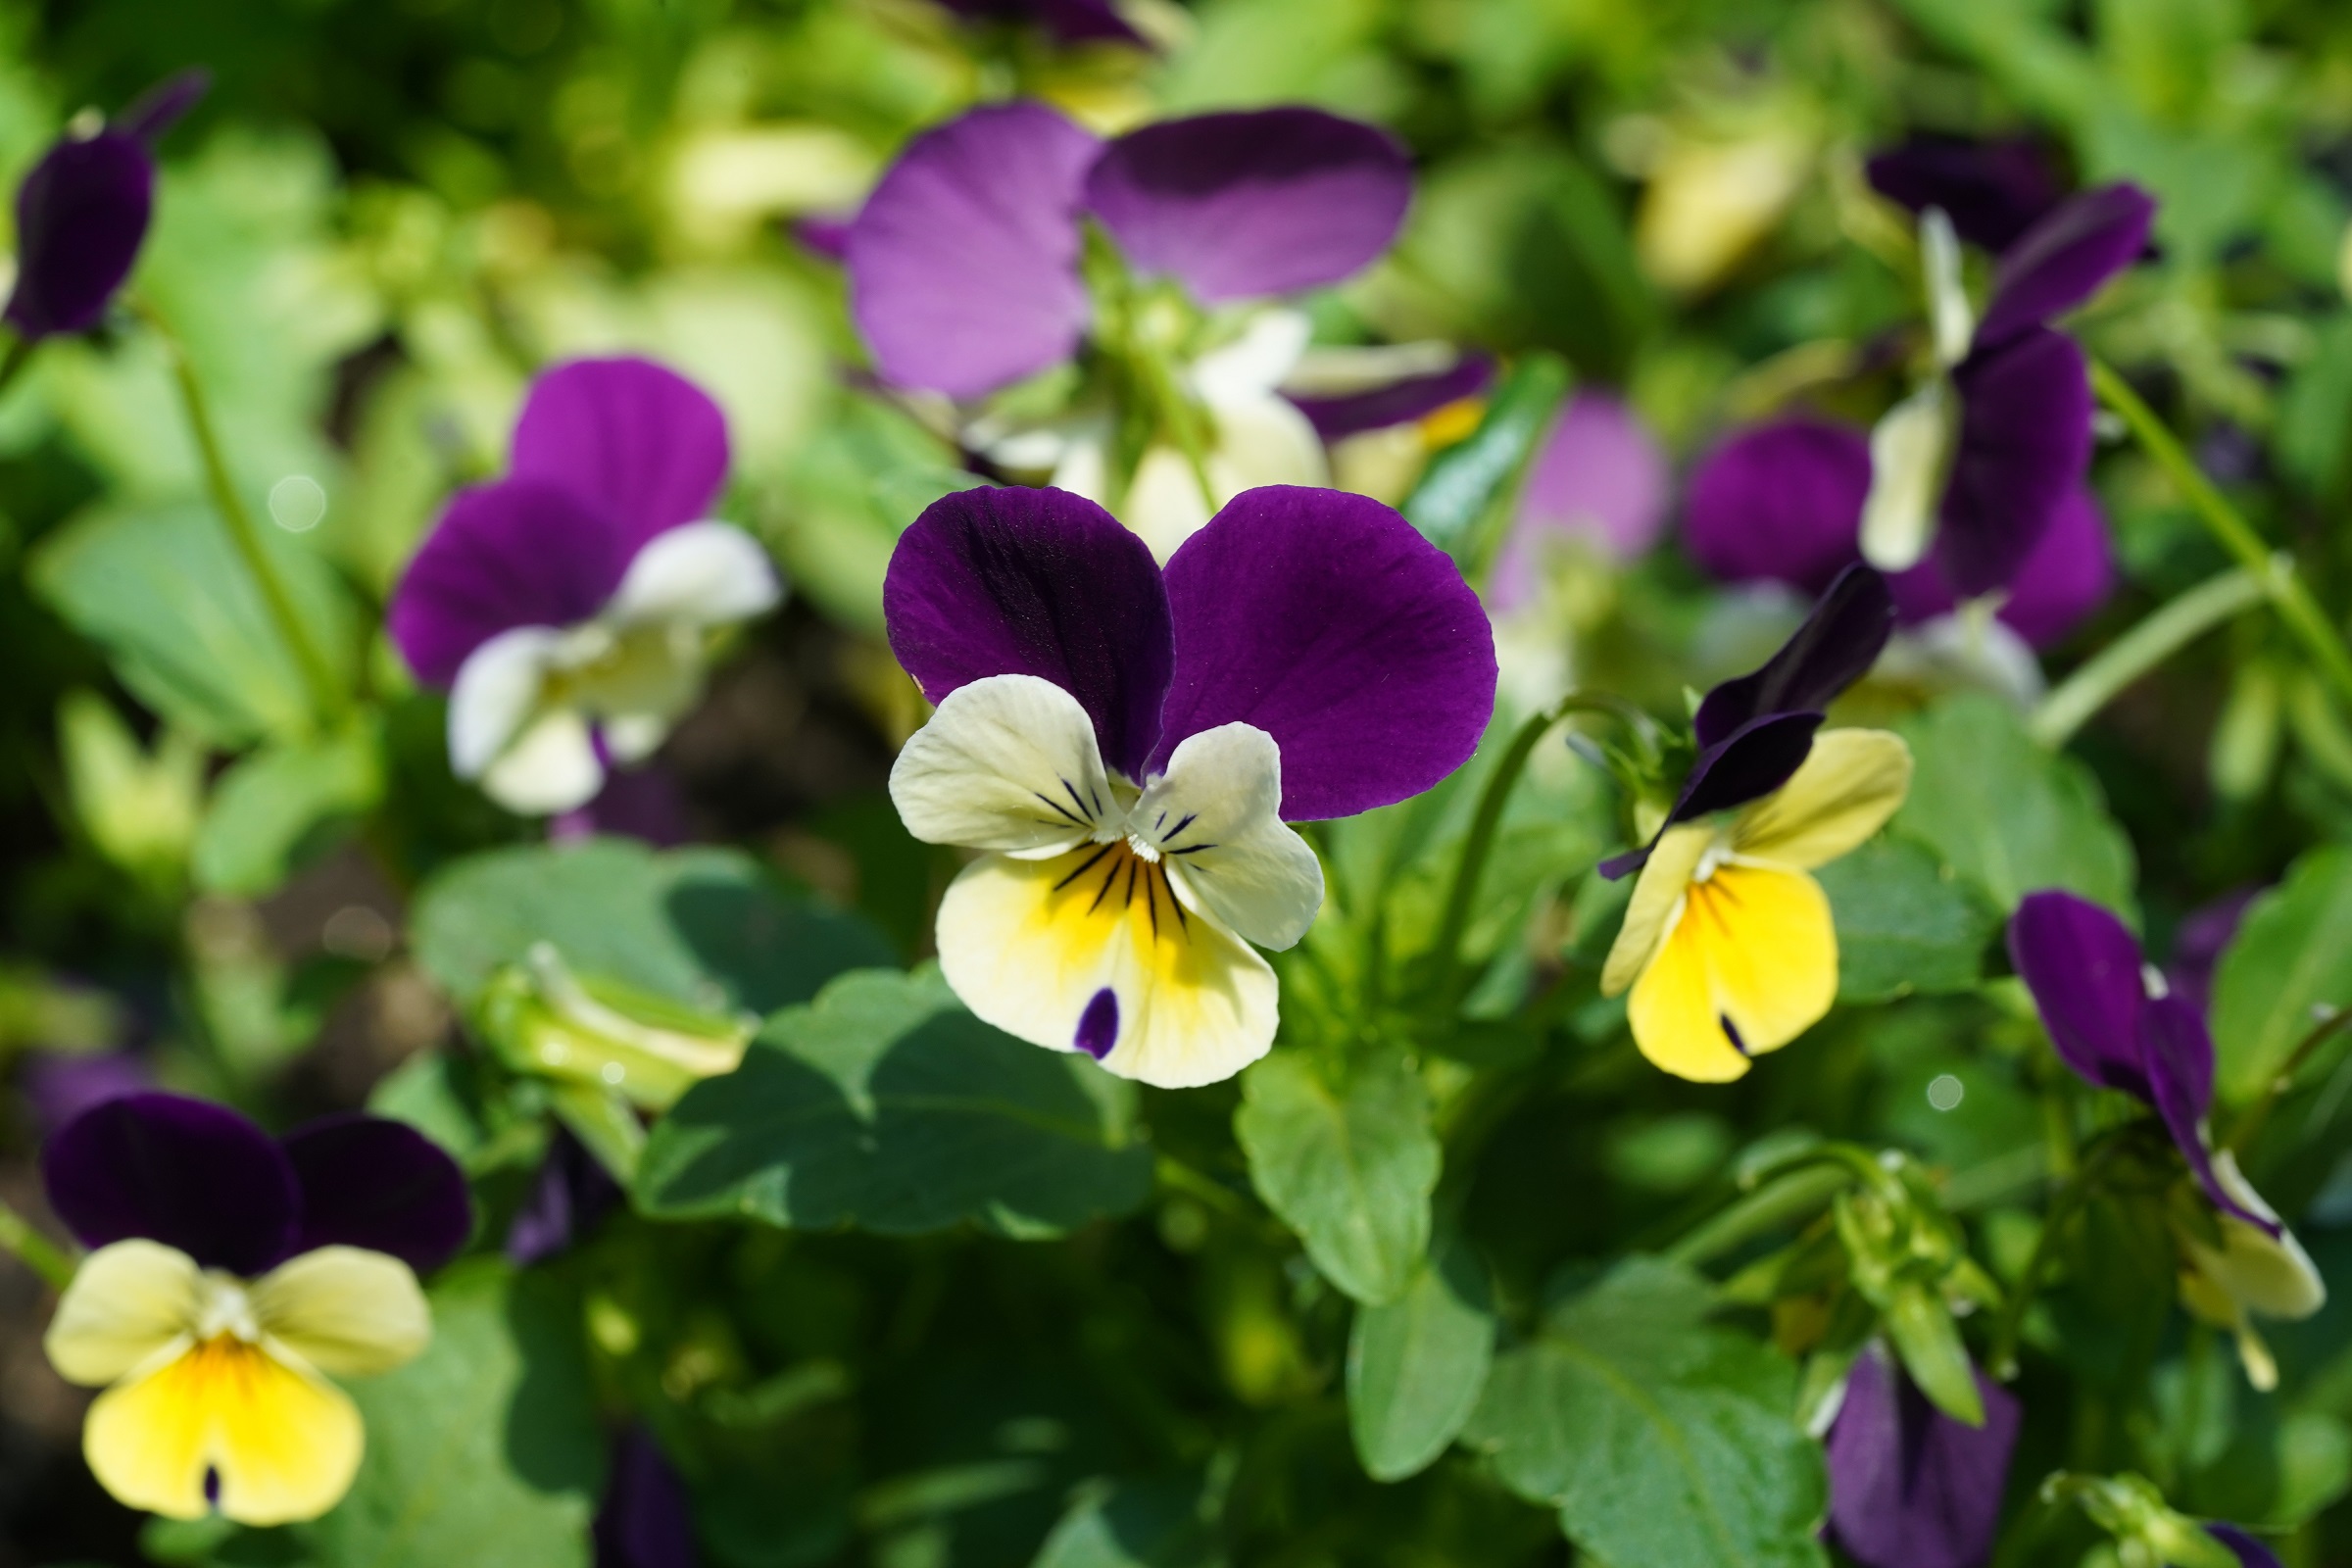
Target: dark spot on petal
{"type": "Point", "coordinates": [1098, 1025]}
{"type": "Point", "coordinates": [1732, 1030]}
{"type": "Point", "coordinates": [211, 1486]}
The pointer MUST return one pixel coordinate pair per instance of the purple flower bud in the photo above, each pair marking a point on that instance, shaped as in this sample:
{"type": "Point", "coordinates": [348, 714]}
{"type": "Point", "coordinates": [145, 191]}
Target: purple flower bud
{"type": "Point", "coordinates": [644, 1521]}
{"type": "Point", "coordinates": [1909, 1486]}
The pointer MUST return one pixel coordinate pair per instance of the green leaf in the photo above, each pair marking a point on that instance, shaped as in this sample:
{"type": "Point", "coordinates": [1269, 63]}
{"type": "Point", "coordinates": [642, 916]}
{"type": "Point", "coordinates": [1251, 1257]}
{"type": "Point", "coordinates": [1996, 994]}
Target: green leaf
{"type": "Point", "coordinates": [1416, 1366]}
{"type": "Point", "coordinates": [276, 809]}
{"type": "Point", "coordinates": [884, 1104]}
{"type": "Point", "coordinates": [706, 927]}
{"type": "Point", "coordinates": [2003, 813]}
{"type": "Point", "coordinates": [1904, 925]}
{"type": "Point", "coordinates": [1133, 1524]}
{"type": "Point", "coordinates": [1471, 479]}
{"type": "Point", "coordinates": [2291, 959]}
{"type": "Point", "coordinates": [163, 591]}
{"type": "Point", "coordinates": [484, 1449]}
{"type": "Point", "coordinates": [1663, 1441]}
{"type": "Point", "coordinates": [1349, 1165]}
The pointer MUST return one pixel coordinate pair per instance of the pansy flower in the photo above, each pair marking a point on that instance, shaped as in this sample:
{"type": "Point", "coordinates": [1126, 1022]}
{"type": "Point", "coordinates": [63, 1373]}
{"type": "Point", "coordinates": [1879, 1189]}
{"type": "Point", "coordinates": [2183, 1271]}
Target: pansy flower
{"type": "Point", "coordinates": [2117, 1023]}
{"type": "Point", "coordinates": [1127, 746]}
{"type": "Point", "coordinates": [969, 270]}
{"type": "Point", "coordinates": [1911, 1487]}
{"type": "Point", "coordinates": [1975, 465]}
{"type": "Point", "coordinates": [82, 213]}
{"type": "Point", "coordinates": [569, 608]}
{"type": "Point", "coordinates": [1727, 945]}
{"type": "Point", "coordinates": [231, 1275]}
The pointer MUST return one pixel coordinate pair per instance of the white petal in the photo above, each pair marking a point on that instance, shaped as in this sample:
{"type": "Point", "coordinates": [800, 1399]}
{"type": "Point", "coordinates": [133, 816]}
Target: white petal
{"type": "Point", "coordinates": [496, 691]}
{"type": "Point", "coordinates": [702, 574]}
{"type": "Point", "coordinates": [1264, 440]}
{"type": "Point", "coordinates": [550, 767]}
{"type": "Point", "coordinates": [1948, 313]}
{"type": "Point", "coordinates": [1256, 363]}
{"type": "Point", "coordinates": [1006, 764]}
{"type": "Point", "coordinates": [1214, 818]}
{"type": "Point", "coordinates": [1084, 468]}
{"type": "Point", "coordinates": [344, 1310]}
{"type": "Point", "coordinates": [128, 1302]}
{"type": "Point", "coordinates": [1165, 504]}
{"type": "Point", "coordinates": [634, 737]}
{"type": "Point", "coordinates": [1091, 951]}
{"type": "Point", "coordinates": [1337, 371]}
{"type": "Point", "coordinates": [1963, 651]}
{"type": "Point", "coordinates": [1908, 455]}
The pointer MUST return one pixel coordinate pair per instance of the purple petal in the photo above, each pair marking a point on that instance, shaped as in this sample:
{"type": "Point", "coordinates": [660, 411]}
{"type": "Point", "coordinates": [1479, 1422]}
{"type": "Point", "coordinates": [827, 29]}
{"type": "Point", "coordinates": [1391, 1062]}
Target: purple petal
{"type": "Point", "coordinates": [571, 1194]}
{"type": "Point", "coordinates": [1252, 202]}
{"type": "Point", "coordinates": [370, 1182]}
{"type": "Point", "coordinates": [1909, 1486]}
{"type": "Point", "coordinates": [638, 803]}
{"type": "Point", "coordinates": [964, 264]}
{"type": "Point", "coordinates": [644, 1520]}
{"type": "Point", "coordinates": [629, 438]}
{"type": "Point", "coordinates": [2204, 934]}
{"type": "Point", "coordinates": [56, 1088]}
{"type": "Point", "coordinates": [1034, 582]}
{"type": "Point", "coordinates": [1780, 502]}
{"type": "Point", "coordinates": [1840, 638]}
{"type": "Point", "coordinates": [2067, 258]}
{"type": "Point", "coordinates": [2068, 576]}
{"type": "Point", "coordinates": [1745, 765]}
{"type": "Point", "coordinates": [184, 1172]}
{"type": "Point", "coordinates": [1992, 191]}
{"type": "Point", "coordinates": [2082, 965]}
{"type": "Point", "coordinates": [2250, 1551]}
{"type": "Point", "coordinates": [161, 106]}
{"type": "Point", "coordinates": [82, 214]}
{"type": "Point", "coordinates": [520, 552]}
{"type": "Point", "coordinates": [827, 234]}
{"type": "Point", "coordinates": [1328, 622]}
{"type": "Point", "coordinates": [2178, 1052]}
{"type": "Point", "coordinates": [1599, 477]}
{"type": "Point", "coordinates": [2025, 447]}
{"type": "Point", "coordinates": [1069, 21]}
{"type": "Point", "coordinates": [1398, 403]}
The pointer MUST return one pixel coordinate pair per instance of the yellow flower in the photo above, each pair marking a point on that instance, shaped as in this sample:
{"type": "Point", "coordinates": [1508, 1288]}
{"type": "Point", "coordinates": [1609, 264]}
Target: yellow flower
{"type": "Point", "coordinates": [1728, 945]}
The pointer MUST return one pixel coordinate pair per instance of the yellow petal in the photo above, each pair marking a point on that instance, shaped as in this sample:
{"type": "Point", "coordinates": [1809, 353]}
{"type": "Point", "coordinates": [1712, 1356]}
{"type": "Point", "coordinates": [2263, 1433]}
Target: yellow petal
{"type": "Point", "coordinates": [1093, 941]}
{"type": "Point", "coordinates": [344, 1310]}
{"type": "Point", "coordinates": [1851, 782]}
{"type": "Point", "coordinates": [1751, 963]}
{"type": "Point", "coordinates": [282, 1443]}
{"type": "Point", "coordinates": [128, 1302]}
{"type": "Point", "coordinates": [1656, 890]}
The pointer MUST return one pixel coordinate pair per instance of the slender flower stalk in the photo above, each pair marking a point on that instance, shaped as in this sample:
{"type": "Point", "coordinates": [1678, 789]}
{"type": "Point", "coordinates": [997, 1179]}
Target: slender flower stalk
{"type": "Point", "coordinates": [2141, 649]}
{"type": "Point", "coordinates": [34, 1251]}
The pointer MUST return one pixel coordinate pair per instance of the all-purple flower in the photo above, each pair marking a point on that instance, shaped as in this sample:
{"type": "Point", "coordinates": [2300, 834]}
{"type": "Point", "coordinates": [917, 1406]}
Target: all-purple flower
{"type": "Point", "coordinates": [1910, 1486]}
{"type": "Point", "coordinates": [83, 214]}
{"type": "Point", "coordinates": [569, 608]}
{"type": "Point", "coordinates": [1129, 742]}
{"type": "Point", "coordinates": [231, 1274]}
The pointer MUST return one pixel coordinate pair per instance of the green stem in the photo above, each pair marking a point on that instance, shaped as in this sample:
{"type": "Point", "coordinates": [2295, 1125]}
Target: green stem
{"type": "Point", "coordinates": [19, 355]}
{"type": "Point", "coordinates": [38, 1254]}
{"type": "Point", "coordinates": [2071, 1198]}
{"type": "Point", "coordinates": [2242, 1132]}
{"type": "Point", "coordinates": [1798, 1195]}
{"type": "Point", "coordinates": [2141, 649]}
{"type": "Point", "coordinates": [2276, 571]}
{"type": "Point", "coordinates": [326, 694]}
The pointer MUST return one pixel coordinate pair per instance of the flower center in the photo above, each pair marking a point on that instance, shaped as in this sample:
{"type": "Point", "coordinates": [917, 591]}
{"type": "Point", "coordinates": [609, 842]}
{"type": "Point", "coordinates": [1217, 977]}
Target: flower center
{"type": "Point", "coordinates": [1712, 860]}
{"type": "Point", "coordinates": [225, 1310]}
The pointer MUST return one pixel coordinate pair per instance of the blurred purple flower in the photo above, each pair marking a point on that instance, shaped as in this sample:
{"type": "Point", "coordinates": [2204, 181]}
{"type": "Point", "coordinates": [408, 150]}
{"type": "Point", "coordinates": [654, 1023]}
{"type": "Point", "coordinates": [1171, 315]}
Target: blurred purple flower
{"type": "Point", "coordinates": [2205, 932]}
{"type": "Point", "coordinates": [644, 1520]}
{"type": "Point", "coordinates": [1994, 191]}
{"type": "Point", "coordinates": [636, 802]}
{"type": "Point", "coordinates": [58, 1086]}
{"type": "Point", "coordinates": [1069, 21]}
{"type": "Point", "coordinates": [1600, 477]}
{"type": "Point", "coordinates": [2066, 577]}
{"type": "Point", "coordinates": [572, 1191]}
{"type": "Point", "coordinates": [2250, 1551]}
{"type": "Point", "coordinates": [1909, 1486]}
{"type": "Point", "coordinates": [1335, 416]}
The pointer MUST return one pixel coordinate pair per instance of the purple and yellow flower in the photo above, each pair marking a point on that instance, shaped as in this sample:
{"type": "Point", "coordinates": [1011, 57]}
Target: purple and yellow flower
{"type": "Point", "coordinates": [1911, 1487]}
{"type": "Point", "coordinates": [569, 608]}
{"type": "Point", "coordinates": [232, 1274]}
{"type": "Point", "coordinates": [1127, 745]}
{"type": "Point", "coordinates": [2114, 1020]}
{"type": "Point", "coordinates": [82, 213]}
{"type": "Point", "coordinates": [1728, 947]}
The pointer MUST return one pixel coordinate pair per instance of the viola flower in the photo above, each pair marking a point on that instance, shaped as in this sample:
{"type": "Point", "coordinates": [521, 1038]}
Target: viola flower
{"type": "Point", "coordinates": [1976, 465]}
{"type": "Point", "coordinates": [1911, 1487]}
{"type": "Point", "coordinates": [231, 1275]}
{"type": "Point", "coordinates": [2115, 1023]}
{"type": "Point", "coordinates": [569, 608]}
{"type": "Point", "coordinates": [82, 213]}
{"type": "Point", "coordinates": [1728, 945]}
{"type": "Point", "coordinates": [1127, 744]}
{"type": "Point", "coordinates": [970, 269]}
{"type": "Point", "coordinates": [1383, 412]}
{"type": "Point", "coordinates": [1599, 479]}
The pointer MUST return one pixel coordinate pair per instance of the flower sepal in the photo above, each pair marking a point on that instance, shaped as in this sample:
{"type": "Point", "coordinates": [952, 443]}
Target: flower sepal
{"type": "Point", "coordinates": [2146, 1530]}
{"type": "Point", "coordinates": [541, 1019]}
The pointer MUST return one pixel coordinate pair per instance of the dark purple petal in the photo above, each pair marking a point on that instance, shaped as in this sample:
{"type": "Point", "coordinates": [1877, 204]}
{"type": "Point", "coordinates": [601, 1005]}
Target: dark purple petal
{"type": "Point", "coordinates": [367, 1180]}
{"type": "Point", "coordinates": [2204, 934]}
{"type": "Point", "coordinates": [1069, 21]}
{"type": "Point", "coordinates": [644, 1520]}
{"type": "Point", "coordinates": [631, 438]}
{"type": "Point", "coordinates": [2068, 576]}
{"type": "Point", "coordinates": [1780, 502]}
{"type": "Point", "coordinates": [160, 106]}
{"type": "Point", "coordinates": [520, 552]}
{"type": "Point", "coordinates": [571, 1194]}
{"type": "Point", "coordinates": [2067, 258]}
{"type": "Point", "coordinates": [1840, 638]}
{"type": "Point", "coordinates": [57, 1087]}
{"type": "Point", "coordinates": [642, 802]}
{"type": "Point", "coordinates": [1398, 403]}
{"type": "Point", "coordinates": [1034, 582]}
{"type": "Point", "coordinates": [1745, 765]}
{"type": "Point", "coordinates": [2250, 1551]}
{"type": "Point", "coordinates": [1909, 1486]}
{"type": "Point", "coordinates": [82, 214]}
{"type": "Point", "coordinates": [964, 264]}
{"type": "Point", "coordinates": [2178, 1052]}
{"type": "Point", "coordinates": [2024, 449]}
{"type": "Point", "coordinates": [2082, 966]}
{"type": "Point", "coordinates": [1252, 202]}
{"type": "Point", "coordinates": [827, 234]}
{"type": "Point", "coordinates": [1599, 477]}
{"type": "Point", "coordinates": [184, 1172]}
{"type": "Point", "coordinates": [1328, 622]}
{"type": "Point", "coordinates": [1992, 191]}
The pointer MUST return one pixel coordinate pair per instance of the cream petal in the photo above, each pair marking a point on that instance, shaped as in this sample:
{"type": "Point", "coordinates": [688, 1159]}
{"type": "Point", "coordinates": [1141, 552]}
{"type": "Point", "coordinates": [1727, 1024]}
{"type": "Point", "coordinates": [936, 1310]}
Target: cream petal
{"type": "Point", "coordinates": [1910, 457]}
{"type": "Point", "coordinates": [1656, 903]}
{"type": "Point", "coordinates": [344, 1310]}
{"type": "Point", "coordinates": [634, 737]}
{"type": "Point", "coordinates": [1949, 316]}
{"type": "Point", "coordinates": [496, 691]}
{"type": "Point", "coordinates": [550, 767]}
{"type": "Point", "coordinates": [2270, 1276]}
{"type": "Point", "coordinates": [1165, 504]}
{"type": "Point", "coordinates": [1008, 762]}
{"type": "Point", "coordinates": [1214, 817]}
{"type": "Point", "coordinates": [702, 575]}
{"type": "Point", "coordinates": [1256, 363]}
{"type": "Point", "coordinates": [1851, 782]}
{"type": "Point", "coordinates": [128, 1304]}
